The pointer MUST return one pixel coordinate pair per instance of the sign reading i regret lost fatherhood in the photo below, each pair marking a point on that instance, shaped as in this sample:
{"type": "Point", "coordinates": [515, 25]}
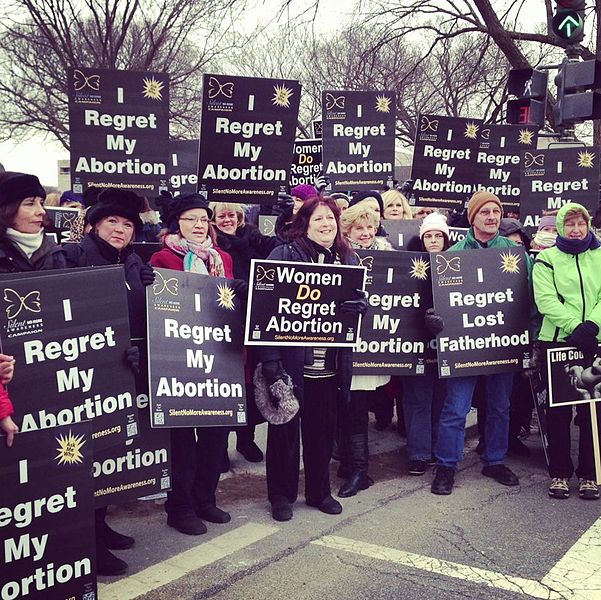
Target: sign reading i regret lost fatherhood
{"type": "Point", "coordinates": [47, 518]}
{"type": "Point", "coordinates": [358, 139]}
{"type": "Point", "coordinates": [119, 129]}
{"type": "Point", "coordinates": [69, 331]}
{"type": "Point", "coordinates": [483, 299]}
{"type": "Point", "coordinates": [298, 304]}
{"type": "Point", "coordinates": [196, 368]}
{"type": "Point", "coordinates": [393, 337]}
{"type": "Point", "coordinates": [246, 137]}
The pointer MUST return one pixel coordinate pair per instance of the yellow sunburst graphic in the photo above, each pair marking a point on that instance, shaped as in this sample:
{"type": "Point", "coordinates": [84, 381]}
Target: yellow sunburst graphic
{"type": "Point", "coordinates": [525, 137]}
{"type": "Point", "coordinates": [281, 96]}
{"type": "Point", "coordinates": [510, 263]}
{"type": "Point", "coordinates": [585, 159]}
{"type": "Point", "coordinates": [153, 89]}
{"type": "Point", "coordinates": [225, 297]}
{"type": "Point", "coordinates": [69, 449]}
{"type": "Point", "coordinates": [471, 131]}
{"type": "Point", "coordinates": [383, 104]}
{"type": "Point", "coordinates": [419, 268]}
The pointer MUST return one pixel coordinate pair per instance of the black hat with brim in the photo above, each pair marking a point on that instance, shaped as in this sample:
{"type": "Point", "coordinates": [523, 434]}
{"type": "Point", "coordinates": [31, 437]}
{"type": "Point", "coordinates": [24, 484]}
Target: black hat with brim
{"type": "Point", "coordinates": [114, 202]}
{"type": "Point", "coordinates": [172, 207]}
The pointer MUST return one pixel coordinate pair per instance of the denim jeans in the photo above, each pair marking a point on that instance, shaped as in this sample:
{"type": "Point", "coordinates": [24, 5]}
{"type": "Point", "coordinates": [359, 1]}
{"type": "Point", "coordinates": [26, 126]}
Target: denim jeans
{"type": "Point", "coordinates": [451, 431]}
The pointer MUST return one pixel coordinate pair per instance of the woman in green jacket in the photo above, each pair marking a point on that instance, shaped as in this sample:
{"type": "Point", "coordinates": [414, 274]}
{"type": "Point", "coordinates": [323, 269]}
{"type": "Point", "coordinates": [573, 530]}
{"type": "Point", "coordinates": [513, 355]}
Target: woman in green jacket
{"type": "Point", "coordinates": [567, 290]}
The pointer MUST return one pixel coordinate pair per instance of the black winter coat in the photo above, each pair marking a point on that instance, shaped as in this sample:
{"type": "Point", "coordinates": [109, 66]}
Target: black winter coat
{"type": "Point", "coordinates": [294, 358]}
{"type": "Point", "coordinates": [48, 256]}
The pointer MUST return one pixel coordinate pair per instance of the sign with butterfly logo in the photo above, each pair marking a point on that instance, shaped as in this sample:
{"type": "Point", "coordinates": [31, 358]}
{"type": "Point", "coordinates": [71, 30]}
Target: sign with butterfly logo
{"type": "Point", "coordinates": [195, 350]}
{"type": "Point", "coordinates": [119, 129]}
{"type": "Point", "coordinates": [358, 131]}
{"type": "Point", "coordinates": [68, 331]}
{"type": "Point", "coordinates": [444, 169]}
{"type": "Point", "coordinates": [393, 339]}
{"type": "Point", "coordinates": [554, 176]}
{"type": "Point", "coordinates": [247, 131]}
{"type": "Point", "coordinates": [482, 299]}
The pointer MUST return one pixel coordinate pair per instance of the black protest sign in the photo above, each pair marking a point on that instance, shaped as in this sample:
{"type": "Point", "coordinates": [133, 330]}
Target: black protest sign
{"type": "Point", "coordinates": [139, 468]}
{"type": "Point", "coordinates": [484, 301]}
{"type": "Point", "coordinates": [196, 369]}
{"type": "Point", "coordinates": [306, 163]}
{"type": "Point", "coordinates": [539, 395]}
{"type": "Point", "coordinates": [550, 178]}
{"type": "Point", "coordinates": [393, 337]}
{"type": "Point", "coordinates": [403, 234]}
{"type": "Point", "coordinates": [444, 156]}
{"type": "Point", "coordinates": [46, 516]}
{"type": "Point", "coordinates": [571, 378]}
{"type": "Point", "coordinates": [183, 166]}
{"type": "Point", "coordinates": [267, 224]}
{"type": "Point", "coordinates": [62, 220]}
{"type": "Point", "coordinates": [499, 159]}
{"type": "Point", "coordinates": [358, 139]}
{"type": "Point", "coordinates": [317, 126]}
{"type": "Point", "coordinates": [119, 129]}
{"type": "Point", "coordinates": [68, 332]}
{"type": "Point", "coordinates": [297, 304]}
{"type": "Point", "coordinates": [246, 137]}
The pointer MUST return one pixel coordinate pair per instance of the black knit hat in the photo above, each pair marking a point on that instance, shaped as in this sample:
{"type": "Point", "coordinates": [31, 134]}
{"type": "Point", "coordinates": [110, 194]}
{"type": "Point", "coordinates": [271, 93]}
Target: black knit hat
{"type": "Point", "coordinates": [120, 203]}
{"type": "Point", "coordinates": [15, 187]}
{"type": "Point", "coordinates": [171, 208]}
{"type": "Point", "coordinates": [360, 196]}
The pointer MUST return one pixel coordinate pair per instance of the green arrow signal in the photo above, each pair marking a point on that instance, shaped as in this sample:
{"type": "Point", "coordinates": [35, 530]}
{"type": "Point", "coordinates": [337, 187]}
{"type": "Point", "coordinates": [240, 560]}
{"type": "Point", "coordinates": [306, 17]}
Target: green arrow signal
{"type": "Point", "coordinates": [568, 23]}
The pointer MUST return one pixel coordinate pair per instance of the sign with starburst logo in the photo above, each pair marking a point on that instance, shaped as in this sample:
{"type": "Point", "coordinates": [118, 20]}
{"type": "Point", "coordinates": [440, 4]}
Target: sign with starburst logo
{"type": "Point", "coordinates": [394, 340]}
{"type": "Point", "coordinates": [196, 362]}
{"type": "Point", "coordinates": [247, 132]}
{"type": "Point", "coordinates": [482, 297]}
{"type": "Point", "coordinates": [48, 517]}
{"type": "Point", "coordinates": [119, 129]}
{"type": "Point", "coordinates": [358, 139]}
{"type": "Point", "coordinates": [554, 176]}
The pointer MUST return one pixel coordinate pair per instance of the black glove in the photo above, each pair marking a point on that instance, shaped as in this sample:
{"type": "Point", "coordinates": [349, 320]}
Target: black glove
{"type": "Point", "coordinates": [132, 358]}
{"type": "Point", "coordinates": [434, 323]}
{"type": "Point", "coordinates": [272, 371]}
{"type": "Point", "coordinates": [147, 275]}
{"type": "Point", "coordinates": [283, 207]}
{"type": "Point", "coordinates": [321, 182]}
{"type": "Point", "coordinates": [357, 305]}
{"type": "Point", "coordinates": [584, 337]}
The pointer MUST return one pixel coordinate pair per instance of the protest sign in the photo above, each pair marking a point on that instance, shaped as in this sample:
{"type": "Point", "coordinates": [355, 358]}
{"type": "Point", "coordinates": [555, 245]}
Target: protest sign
{"type": "Point", "coordinates": [118, 129]}
{"type": "Point", "coordinates": [358, 139]}
{"type": "Point", "coordinates": [483, 299]}
{"type": "Point", "coordinates": [539, 395]}
{"type": "Point", "coordinates": [183, 166]}
{"type": "Point", "coordinates": [246, 137]}
{"type": "Point", "coordinates": [196, 368]}
{"type": "Point", "coordinates": [139, 468]}
{"type": "Point", "coordinates": [393, 337]}
{"type": "Point", "coordinates": [499, 159]}
{"type": "Point", "coordinates": [68, 331]}
{"type": "Point", "coordinates": [297, 304]}
{"type": "Point", "coordinates": [306, 163]}
{"type": "Point", "coordinates": [62, 220]}
{"type": "Point", "coordinates": [443, 160]}
{"type": "Point", "coordinates": [571, 379]}
{"type": "Point", "coordinates": [550, 178]}
{"type": "Point", "coordinates": [317, 127]}
{"type": "Point", "coordinates": [267, 224]}
{"type": "Point", "coordinates": [47, 523]}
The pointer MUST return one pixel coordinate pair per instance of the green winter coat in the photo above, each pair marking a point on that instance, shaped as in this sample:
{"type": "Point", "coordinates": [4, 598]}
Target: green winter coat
{"type": "Point", "coordinates": [567, 287]}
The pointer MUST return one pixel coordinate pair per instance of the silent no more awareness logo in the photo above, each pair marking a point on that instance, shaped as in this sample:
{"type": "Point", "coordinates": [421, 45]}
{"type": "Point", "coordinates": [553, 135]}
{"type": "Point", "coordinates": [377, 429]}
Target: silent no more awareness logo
{"type": "Point", "coordinates": [534, 164]}
{"type": "Point", "coordinates": [428, 128]}
{"type": "Point", "coordinates": [448, 270]}
{"type": "Point", "coordinates": [220, 94]}
{"type": "Point", "coordinates": [166, 291]}
{"type": "Point", "coordinates": [263, 277]}
{"type": "Point", "coordinates": [17, 308]}
{"type": "Point", "coordinates": [335, 106]}
{"type": "Point", "coordinates": [86, 87]}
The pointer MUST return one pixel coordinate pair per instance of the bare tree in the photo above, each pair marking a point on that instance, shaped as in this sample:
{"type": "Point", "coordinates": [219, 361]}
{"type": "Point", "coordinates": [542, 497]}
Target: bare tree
{"type": "Point", "coordinates": [41, 39]}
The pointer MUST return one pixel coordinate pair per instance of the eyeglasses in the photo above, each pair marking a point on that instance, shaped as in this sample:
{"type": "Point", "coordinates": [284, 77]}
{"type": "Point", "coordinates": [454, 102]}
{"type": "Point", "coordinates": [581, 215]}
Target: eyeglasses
{"type": "Point", "coordinates": [194, 220]}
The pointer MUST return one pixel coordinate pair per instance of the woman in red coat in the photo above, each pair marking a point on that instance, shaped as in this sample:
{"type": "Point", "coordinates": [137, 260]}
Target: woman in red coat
{"type": "Point", "coordinates": [196, 453]}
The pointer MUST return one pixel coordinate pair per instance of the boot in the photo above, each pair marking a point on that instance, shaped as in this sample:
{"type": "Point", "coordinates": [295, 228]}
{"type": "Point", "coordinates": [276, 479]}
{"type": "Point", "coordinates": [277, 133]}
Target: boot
{"type": "Point", "coordinates": [344, 454]}
{"type": "Point", "coordinates": [359, 479]}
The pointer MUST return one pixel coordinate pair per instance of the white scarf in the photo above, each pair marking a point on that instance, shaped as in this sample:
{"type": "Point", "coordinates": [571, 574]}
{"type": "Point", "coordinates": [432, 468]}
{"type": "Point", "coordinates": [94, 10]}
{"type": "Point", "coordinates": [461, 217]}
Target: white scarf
{"type": "Point", "coordinates": [27, 242]}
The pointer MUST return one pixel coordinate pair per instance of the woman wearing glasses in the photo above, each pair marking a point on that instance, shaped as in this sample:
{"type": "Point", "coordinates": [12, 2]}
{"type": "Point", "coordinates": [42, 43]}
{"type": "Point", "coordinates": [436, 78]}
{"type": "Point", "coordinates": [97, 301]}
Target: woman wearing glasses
{"type": "Point", "coordinates": [196, 453]}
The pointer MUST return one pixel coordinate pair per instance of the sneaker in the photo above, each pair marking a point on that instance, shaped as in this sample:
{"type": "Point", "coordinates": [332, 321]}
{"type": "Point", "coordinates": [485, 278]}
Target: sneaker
{"type": "Point", "coordinates": [588, 490]}
{"type": "Point", "coordinates": [501, 474]}
{"type": "Point", "coordinates": [559, 488]}
{"type": "Point", "coordinates": [417, 467]}
{"type": "Point", "coordinates": [444, 481]}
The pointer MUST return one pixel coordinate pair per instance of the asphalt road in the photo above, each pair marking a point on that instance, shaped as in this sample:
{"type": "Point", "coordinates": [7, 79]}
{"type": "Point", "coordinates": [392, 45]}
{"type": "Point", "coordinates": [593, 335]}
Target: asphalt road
{"type": "Point", "coordinates": [395, 540]}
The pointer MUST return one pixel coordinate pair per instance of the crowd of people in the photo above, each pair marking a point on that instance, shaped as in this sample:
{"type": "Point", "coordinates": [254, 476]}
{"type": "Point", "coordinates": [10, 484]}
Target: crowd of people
{"type": "Point", "coordinates": [312, 394]}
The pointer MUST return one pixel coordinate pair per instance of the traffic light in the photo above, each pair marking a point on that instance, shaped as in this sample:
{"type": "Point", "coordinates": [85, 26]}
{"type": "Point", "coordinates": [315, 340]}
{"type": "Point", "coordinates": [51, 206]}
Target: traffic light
{"type": "Point", "coordinates": [577, 99]}
{"type": "Point", "coordinates": [568, 21]}
{"type": "Point", "coordinates": [529, 88]}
